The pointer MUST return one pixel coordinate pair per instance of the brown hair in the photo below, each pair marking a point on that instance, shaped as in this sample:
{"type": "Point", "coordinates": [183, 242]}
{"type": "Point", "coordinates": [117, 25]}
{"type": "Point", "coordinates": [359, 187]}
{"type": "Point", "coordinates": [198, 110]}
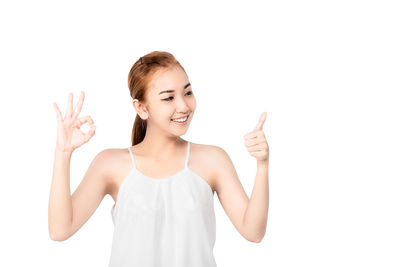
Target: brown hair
{"type": "Point", "coordinates": [138, 80]}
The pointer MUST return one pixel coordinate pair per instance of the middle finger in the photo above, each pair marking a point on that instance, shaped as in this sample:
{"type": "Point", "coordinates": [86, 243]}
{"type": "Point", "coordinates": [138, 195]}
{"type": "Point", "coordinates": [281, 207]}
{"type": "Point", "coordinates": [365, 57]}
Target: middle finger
{"type": "Point", "coordinates": [78, 107]}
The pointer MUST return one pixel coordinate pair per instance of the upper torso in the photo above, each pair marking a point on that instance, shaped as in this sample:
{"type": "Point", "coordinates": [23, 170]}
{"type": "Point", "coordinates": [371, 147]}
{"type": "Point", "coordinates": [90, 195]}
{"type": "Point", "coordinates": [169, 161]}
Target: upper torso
{"type": "Point", "coordinates": [164, 215]}
{"type": "Point", "coordinates": [200, 162]}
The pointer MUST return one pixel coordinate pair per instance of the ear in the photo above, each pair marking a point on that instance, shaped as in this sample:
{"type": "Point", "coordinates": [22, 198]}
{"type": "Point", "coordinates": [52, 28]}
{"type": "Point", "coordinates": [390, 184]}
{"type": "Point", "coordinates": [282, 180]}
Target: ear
{"type": "Point", "coordinates": [140, 109]}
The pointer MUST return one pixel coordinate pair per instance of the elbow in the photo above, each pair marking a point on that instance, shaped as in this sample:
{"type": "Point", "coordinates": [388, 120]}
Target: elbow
{"type": "Point", "coordinates": [256, 238]}
{"type": "Point", "coordinates": [254, 234]}
{"type": "Point", "coordinates": [58, 230]}
{"type": "Point", "coordinates": [56, 238]}
{"type": "Point", "coordinates": [259, 239]}
{"type": "Point", "coordinates": [58, 235]}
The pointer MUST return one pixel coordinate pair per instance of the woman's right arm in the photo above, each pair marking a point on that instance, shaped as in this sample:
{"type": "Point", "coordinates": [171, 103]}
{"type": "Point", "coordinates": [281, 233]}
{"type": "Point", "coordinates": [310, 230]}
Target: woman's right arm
{"type": "Point", "coordinates": [67, 213]}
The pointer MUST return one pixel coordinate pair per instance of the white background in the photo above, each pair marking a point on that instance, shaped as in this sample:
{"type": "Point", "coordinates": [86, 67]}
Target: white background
{"type": "Point", "coordinates": [326, 72]}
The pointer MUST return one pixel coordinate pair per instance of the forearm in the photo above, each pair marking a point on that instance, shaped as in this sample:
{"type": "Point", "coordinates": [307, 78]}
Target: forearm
{"type": "Point", "coordinates": [256, 214]}
{"type": "Point", "coordinates": [60, 203]}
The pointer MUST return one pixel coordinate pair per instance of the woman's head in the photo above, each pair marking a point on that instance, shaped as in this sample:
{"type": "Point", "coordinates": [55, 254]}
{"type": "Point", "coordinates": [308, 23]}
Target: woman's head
{"type": "Point", "coordinates": [161, 91]}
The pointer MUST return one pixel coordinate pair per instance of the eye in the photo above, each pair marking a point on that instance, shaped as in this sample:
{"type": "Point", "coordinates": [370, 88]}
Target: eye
{"type": "Point", "coordinates": [171, 97]}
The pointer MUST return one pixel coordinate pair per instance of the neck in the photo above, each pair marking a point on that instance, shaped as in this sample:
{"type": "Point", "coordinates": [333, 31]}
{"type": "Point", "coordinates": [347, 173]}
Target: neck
{"type": "Point", "coordinates": [160, 147]}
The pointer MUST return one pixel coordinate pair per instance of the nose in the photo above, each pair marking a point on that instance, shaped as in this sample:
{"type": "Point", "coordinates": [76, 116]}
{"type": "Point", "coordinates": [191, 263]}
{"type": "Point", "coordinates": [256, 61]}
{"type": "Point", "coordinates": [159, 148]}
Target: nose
{"type": "Point", "coordinates": [181, 105]}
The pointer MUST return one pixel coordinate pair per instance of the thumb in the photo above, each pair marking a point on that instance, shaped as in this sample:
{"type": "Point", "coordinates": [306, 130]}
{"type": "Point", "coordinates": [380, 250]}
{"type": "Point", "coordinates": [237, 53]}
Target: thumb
{"type": "Point", "coordinates": [261, 121]}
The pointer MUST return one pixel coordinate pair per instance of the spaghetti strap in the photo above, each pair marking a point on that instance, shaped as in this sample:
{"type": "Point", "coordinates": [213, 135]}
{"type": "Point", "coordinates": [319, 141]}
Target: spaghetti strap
{"type": "Point", "coordinates": [132, 159]}
{"type": "Point", "coordinates": [187, 154]}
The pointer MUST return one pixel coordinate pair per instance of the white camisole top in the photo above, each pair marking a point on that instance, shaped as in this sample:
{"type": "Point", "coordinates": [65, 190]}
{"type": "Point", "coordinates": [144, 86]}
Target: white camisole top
{"type": "Point", "coordinates": [163, 222]}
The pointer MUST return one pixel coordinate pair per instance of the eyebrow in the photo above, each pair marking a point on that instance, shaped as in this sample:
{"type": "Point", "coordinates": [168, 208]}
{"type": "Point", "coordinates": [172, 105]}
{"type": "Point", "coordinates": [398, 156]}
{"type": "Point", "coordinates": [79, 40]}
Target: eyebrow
{"type": "Point", "coordinates": [170, 91]}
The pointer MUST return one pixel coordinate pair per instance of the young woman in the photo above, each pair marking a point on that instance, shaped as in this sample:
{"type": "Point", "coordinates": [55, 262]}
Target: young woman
{"type": "Point", "coordinates": [163, 186]}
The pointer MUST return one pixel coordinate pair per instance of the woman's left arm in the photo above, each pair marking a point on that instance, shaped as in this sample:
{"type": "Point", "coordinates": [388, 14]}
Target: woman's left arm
{"type": "Point", "coordinates": [249, 216]}
{"type": "Point", "coordinates": [256, 214]}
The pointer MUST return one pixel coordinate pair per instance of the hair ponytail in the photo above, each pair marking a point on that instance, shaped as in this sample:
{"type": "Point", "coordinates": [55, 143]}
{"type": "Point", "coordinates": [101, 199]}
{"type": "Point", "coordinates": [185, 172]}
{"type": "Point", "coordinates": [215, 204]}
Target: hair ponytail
{"type": "Point", "coordinates": [138, 131]}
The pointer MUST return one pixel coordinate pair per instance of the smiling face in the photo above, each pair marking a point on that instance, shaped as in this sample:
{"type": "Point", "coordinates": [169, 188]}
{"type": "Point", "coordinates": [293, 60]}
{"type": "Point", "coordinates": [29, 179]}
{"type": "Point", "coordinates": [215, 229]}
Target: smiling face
{"type": "Point", "coordinates": [169, 96]}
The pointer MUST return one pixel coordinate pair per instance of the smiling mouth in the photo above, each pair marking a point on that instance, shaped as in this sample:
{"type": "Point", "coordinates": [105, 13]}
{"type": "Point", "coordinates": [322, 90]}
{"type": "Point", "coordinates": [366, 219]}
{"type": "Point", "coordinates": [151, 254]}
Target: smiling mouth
{"type": "Point", "coordinates": [182, 119]}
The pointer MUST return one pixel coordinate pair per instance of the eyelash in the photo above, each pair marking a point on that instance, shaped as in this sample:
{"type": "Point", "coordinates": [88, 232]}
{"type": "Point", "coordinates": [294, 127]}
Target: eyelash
{"type": "Point", "coordinates": [167, 99]}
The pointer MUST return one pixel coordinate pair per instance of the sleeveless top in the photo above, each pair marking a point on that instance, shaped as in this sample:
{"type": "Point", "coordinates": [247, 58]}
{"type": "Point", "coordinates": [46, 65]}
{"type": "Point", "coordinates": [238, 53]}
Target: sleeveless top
{"type": "Point", "coordinates": [163, 222]}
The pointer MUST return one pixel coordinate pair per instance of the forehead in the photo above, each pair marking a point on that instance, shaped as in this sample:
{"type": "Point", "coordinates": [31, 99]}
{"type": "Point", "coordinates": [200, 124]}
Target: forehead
{"type": "Point", "coordinates": [173, 78]}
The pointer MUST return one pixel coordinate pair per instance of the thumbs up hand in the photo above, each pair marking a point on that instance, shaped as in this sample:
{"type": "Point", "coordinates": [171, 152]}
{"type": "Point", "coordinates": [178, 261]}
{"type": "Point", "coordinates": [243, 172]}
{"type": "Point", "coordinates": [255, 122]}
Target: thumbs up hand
{"type": "Point", "coordinates": [255, 141]}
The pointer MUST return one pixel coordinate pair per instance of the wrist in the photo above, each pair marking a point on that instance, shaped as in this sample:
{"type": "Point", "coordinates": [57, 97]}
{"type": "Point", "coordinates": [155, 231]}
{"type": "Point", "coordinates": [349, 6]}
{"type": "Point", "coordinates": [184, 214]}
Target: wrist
{"type": "Point", "coordinates": [263, 163]}
{"type": "Point", "coordinates": [59, 150]}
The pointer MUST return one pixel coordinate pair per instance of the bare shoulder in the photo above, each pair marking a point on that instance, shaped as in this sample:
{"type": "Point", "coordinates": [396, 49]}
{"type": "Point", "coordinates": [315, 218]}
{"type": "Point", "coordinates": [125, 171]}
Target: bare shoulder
{"type": "Point", "coordinates": [115, 157]}
{"type": "Point", "coordinates": [118, 164]}
{"type": "Point", "coordinates": [114, 163]}
{"type": "Point", "coordinates": [219, 158]}
{"type": "Point", "coordinates": [220, 165]}
{"type": "Point", "coordinates": [211, 153]}
{"type": "Point", "coordinates": [206, 160]}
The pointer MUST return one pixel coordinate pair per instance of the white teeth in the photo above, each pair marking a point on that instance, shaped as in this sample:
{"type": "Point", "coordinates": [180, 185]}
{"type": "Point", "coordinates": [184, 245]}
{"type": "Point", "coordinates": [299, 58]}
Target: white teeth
{"type": "Point", "coordinates": [181, 120]}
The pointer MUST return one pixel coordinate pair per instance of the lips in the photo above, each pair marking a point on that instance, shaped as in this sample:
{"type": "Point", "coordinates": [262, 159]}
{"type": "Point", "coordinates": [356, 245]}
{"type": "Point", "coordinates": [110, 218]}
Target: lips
{"type": "Point", "coordinates": [180, 117]}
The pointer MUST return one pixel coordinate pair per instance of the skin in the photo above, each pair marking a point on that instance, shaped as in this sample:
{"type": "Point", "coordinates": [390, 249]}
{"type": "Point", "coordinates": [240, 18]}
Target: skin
{"type": "Point", "coordinates": [163, 147]}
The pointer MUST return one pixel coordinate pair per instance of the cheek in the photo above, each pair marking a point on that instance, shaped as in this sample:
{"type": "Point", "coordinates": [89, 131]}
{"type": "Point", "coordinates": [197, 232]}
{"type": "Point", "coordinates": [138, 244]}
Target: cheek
{"type": "Point", "coordinates": [165, 113]}
{"type": "Point", "coordinates": [160, 114]}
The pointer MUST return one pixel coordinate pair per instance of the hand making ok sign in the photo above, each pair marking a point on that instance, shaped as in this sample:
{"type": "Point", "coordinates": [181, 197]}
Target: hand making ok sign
{"type": "Point", "coordinates": [69, 134]}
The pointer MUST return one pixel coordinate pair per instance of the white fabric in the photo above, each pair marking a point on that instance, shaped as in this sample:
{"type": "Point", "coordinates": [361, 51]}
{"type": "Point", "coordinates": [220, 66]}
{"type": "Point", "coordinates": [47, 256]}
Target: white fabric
{"type": "Point", "coordinates": [163, 222]}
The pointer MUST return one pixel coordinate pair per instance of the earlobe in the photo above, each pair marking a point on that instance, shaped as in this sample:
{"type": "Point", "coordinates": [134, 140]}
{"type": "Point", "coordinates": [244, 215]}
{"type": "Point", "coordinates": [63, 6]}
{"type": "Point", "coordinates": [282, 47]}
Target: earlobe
{"type": "Point", "coordinates": [138, 109]}
{"type": "Point", "coordinates": [143, 116]}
